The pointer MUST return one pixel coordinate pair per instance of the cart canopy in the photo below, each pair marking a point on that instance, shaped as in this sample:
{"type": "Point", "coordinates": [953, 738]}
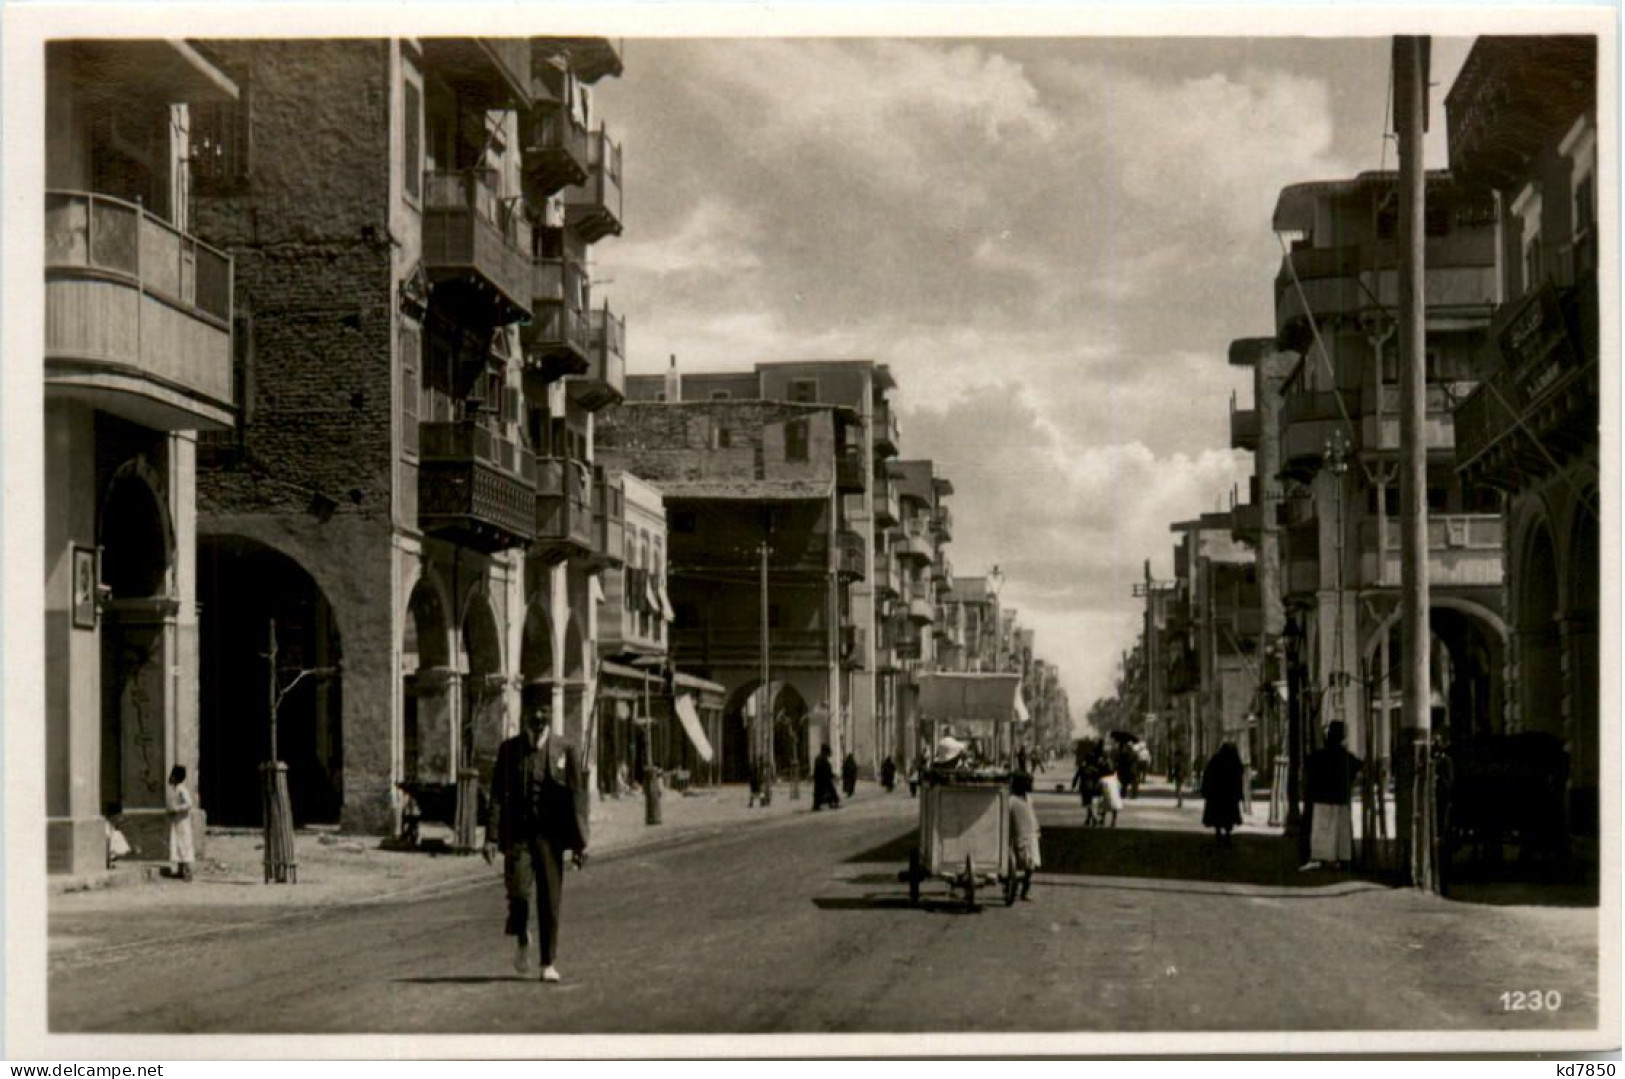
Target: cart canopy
{"type": "Point", "coordinates": [958, 698]}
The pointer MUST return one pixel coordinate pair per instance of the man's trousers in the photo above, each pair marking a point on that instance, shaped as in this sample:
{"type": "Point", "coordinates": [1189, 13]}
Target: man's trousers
{"type": "Point", "coordinates": [533, 870]}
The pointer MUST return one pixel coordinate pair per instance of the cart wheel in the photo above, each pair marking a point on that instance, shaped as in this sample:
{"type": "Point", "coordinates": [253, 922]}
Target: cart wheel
{"type": "Point", "coordinates": [1011, 885]}
{"type": "Point", "coordinates": [970, 884]}
{"type": "Point", "coordinates": [914, 876]}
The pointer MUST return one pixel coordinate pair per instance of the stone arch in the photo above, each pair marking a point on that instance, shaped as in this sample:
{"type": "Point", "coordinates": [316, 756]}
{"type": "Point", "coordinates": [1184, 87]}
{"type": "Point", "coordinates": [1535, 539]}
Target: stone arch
{"type": "Point", "coordinates": [426, 671]}
{"type": "Point", "coordinates": [136, 533]}
{"type": "Point", "coordinates": [1469, 642]}
{"type": "Point", "coordinates": [537, 670]}
{"type": "Point", "coordinates": [483, 683]}
{"type": "Point", "coordinates": [1540, 685]}
{"type": "Point", "coordinates": [575, 651]}
{"type": "Point", "coordinates": [243, 585]}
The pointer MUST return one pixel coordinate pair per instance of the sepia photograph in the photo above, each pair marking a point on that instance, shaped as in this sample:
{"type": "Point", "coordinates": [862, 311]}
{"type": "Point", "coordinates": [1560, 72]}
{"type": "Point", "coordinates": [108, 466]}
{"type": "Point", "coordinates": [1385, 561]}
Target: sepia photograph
{"type": "Point", "coordinates": [1065, 532]}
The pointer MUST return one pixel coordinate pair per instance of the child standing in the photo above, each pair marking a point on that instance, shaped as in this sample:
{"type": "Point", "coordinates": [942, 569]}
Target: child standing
{"type": "Point", "coordinates": [1023, 830]}
{"type": "Point", "coordinates": [179, 806]}
{"type": "Point", "coordinates": [1111, 797]}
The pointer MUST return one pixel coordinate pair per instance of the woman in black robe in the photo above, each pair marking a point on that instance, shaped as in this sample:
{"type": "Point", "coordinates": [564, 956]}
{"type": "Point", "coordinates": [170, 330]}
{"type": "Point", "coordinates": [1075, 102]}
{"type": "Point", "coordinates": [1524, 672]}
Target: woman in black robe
{"type": "Point", "coordinates": [1222, 782]}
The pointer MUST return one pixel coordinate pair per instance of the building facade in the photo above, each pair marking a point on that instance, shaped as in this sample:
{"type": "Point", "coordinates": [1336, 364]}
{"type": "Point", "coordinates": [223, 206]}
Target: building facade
{"type": "Point", "coordinates": [1522, 126]}
{"type": "Point", "coordinates": [137, 360]}
{"type": "Point", "coordinates": [408, 497]}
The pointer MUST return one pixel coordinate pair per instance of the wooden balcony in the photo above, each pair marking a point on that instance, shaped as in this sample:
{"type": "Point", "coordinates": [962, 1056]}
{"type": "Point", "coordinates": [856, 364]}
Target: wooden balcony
{"type": "Point", "coordinates": [850, 552]}
{"type": "Point", "coordinates": [137, 315]}
{"type": "Point", "coordinates": [555, 150]}
{"type": "Point", "coordinates": [854, 646]}
{"type": "Point", "coordinates": [915, 543]}
{"type": "Point", "coordinates": [1310, 422]}
{"type": "Point", "coordinates": [851, 471]}
{"type": "Point", "coordinates": [487, 73]}
{"type": "Point", "coordinates": [475, 488]}
{"type": "Point", "coordinates": [558, 339]}
{"type": "Point", "coordinates": [708, 647]}
{"type": "Point", "coordinates": [474, 250]}
{"type": "Point", "coordinates": [564, 519]}
{"type": "Point", "coordinates": [1546, 390]}
{"type": "Point", "coordinates": [590, 58]}
{"type": "Point", "coordinates": [1243, 427]}
{"type": "Point", "coordinates": [1507, 107]}
{"type": "Point", "coordinates": [609, 521]}
{"type": "Point", "coordinates": [888, 513]}
{"type": "Point", "coordinates": [887, 441]}
{"type": "Point", "coordinates": [1464, 550]}
{"type": "Point", "coordinates": [593, 208]}
{"type": "Point", "coordinates": [604, 382]}
{"type": "Point", "coordinates": [920, 609]}
{"type": "Point", "coordinates": [1379, 432]}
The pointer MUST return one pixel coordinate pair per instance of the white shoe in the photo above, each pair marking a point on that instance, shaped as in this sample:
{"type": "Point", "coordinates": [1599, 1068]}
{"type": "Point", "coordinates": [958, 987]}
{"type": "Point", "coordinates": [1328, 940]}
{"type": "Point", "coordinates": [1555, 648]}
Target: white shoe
{"type": "Point", "coordinates": [521, 959]}
{"type": "Point", "coordinates": [1305, 867]}
{"type": "Point", "coordinates": [550, 973]}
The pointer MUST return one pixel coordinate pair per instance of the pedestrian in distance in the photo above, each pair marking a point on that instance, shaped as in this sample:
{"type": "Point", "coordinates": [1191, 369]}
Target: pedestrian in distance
{"type": "Point", "coordinates": [1127, 765]}
{"type": "Point", "coordinates": [849, 775]}
{"type": "Point", "coordinates": [178, 808]}
{"type": "Point", "coordinates": [824, 793]}
{"type": "Point", "coordinates": [914, 772]}
{"type": "Point", "coordinates": [755, 779]}
{"type": "Point", "coordinates": [1221, 793]}
{"type": "Point", "coordinates": [1086, 781]}
{"type": "Point", "coordinates": [1330, 771]}
{"type": "Point", "coordinates": [1176, 776]}
{"type": "Point", "coordinates": [1111, 797]}
{"type": "Point", "coordinates": [888, 774]}
{"type": "Point", "coordinates": [1024, 832]}
{"type": "Point", "coordinates": [539, 807]}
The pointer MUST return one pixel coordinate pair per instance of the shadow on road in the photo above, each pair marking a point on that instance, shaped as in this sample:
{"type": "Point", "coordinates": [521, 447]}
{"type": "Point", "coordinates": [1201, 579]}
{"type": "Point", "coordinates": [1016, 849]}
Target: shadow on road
{"type": "Point", "coordinates": [934, 904]}
{"type": "Point", "coordinates": [468, 979]}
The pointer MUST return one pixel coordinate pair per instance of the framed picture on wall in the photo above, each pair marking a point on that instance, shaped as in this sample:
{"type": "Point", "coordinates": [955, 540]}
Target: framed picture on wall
{"type": "Point", "coordinates": [84, 587]}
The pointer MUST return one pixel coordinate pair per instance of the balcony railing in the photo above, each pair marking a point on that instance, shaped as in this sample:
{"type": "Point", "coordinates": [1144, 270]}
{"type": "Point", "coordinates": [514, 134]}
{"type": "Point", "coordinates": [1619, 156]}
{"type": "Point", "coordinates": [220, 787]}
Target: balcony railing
{"type": "Point", "coordinates": [1243, 427]}
{"type": "Point", "coordinates": [1355, 279]}
{"type": "Point", "coordinates": [474, 248]}
{"type": "Point", "coordinates": [1545, 356]}
{"type": "Point", "coordinates": [942, 522]}
{"type": "Point", "coordinates": [593, 209]}
{"type": "Point", "coordinates": [850, 552]}
{"type": "Point", "coordinates": [887, 510]}
{"type": "Point", "coordinates": [558, 336]}
{"type": "Point", "coordinates": [564, 520]}
{"type": "Point", "coordinates": [474, 486]}
{"type": "Point", "coordinates": [137, 314]}
{"type": "Point", "coordinates": [887, 441]}
{"type": "Point", "coordinates": [609, 519]}
{"type": "Point", "coordinates": [915, 541]}
{"type": "Point", "coordinates": [604, 381]}
{"type": "Point", "coordinates": [851, 471]}
{"type": "Point", "coordinates": [1464, 549]}
{"type": "Point", "coordinates": [740, 646]}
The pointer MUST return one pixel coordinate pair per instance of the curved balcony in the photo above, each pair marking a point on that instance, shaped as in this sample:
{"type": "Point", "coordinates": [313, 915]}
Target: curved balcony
{"type": "Point", "coordinates": [555, 152]}
{"type": "Point", "coordinates": [942, 523]}
{"type": "Point", "coordinates": [137, 315]}
{"type": "Point", "coordinates": [564, 518]}
{"type": "Point", "coordinates": [473, 249]}
{"type": "Point", "coordinates": [888, 513]}
{"type": "Point", "coordinates": [1243, 427]}
{"type": "Point", "coordinates": [604, 382]}
{"type": "Point", "coordinates": [920, 611]}
{"type": "Point", "coordinates": [886, 439]}
{"type": "Point", "coordinates": [850, 550]}
{"type": "Point", "coordinates": [593, 208]}
{"type": "Point", "coordinates": [558, 337]}
{"type": "Point", "coordinates": [915, 543]}
{"type": "Point", "coordinates": [1464, 550]}
{"type": "Point", "coordinates": [475, 488]}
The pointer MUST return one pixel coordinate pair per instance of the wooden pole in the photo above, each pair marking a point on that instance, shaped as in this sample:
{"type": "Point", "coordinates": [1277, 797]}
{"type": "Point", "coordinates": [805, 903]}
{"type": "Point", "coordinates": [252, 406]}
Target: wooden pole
{"type": "Point", "coordinates": [1410, 61]}
{"type": "Point", "coordinates": [764, 706]}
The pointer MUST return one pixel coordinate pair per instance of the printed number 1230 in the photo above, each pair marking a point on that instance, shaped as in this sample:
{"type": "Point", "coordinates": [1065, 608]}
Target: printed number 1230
{"type": "Point", "coordinates": [1537, 1000]}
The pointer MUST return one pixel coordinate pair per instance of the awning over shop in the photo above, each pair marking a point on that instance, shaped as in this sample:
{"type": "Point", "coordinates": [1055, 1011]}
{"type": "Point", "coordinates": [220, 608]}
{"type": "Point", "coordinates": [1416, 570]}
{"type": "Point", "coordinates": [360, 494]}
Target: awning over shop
{"type": "Point", "coordinates": [690, 719]}
{"type": "Point", "coordinates": [952, 696]}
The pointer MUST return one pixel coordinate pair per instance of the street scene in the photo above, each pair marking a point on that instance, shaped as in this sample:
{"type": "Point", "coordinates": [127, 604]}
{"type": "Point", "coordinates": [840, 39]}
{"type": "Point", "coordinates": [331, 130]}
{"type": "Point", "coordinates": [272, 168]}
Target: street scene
{"type": "Point", "coordinates": [573, 535]}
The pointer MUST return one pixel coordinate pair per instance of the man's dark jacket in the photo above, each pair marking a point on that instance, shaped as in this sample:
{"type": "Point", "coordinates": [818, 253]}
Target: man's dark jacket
{"type": "Point", "coordinates": [564, 819]}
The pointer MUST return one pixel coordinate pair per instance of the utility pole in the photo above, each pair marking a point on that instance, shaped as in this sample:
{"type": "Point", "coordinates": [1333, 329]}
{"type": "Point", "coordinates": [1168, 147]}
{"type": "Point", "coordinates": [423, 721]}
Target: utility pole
{"type": "Point", "coordinates": [764, 707]}
{"type": "Point", "coordinates": [1410, 62]}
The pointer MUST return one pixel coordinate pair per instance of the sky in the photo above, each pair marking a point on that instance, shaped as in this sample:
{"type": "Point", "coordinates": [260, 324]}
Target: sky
{"type": "Point", "coordinates": [1052, 242]}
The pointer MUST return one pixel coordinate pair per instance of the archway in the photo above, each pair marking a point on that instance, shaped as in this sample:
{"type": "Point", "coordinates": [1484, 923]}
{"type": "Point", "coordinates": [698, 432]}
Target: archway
{"type": "Point", "coordinates": [536, 657]}
{"type": "Point", "coordinates": [1467, 654]}
{"type": "Point", "coordinates": [242, 587]}
{"type": "Point", "coordinates": [481, 660]}
{"type": "Point", "coordinates": [137, 554]}
{"type": "Point", "coordinates": [425, 672]}
{"type": "Point", "coordinates": [1540, 657]}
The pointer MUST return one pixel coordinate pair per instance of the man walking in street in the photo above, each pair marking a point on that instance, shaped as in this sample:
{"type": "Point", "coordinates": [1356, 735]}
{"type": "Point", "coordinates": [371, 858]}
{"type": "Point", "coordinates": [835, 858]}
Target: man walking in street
{"type": "Point", "coordinates": [538, 812]}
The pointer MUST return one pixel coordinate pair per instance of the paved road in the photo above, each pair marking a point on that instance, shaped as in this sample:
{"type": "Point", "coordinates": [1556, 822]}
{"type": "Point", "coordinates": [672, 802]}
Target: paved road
{"type": "Point", "coordinates": [799, 925]}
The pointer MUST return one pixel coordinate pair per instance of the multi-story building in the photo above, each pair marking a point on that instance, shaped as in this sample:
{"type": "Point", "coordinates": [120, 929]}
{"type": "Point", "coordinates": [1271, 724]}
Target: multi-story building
{"type": "Point", "coordinates": [924, 575]}
{"type": "Point", "coordinates": [137, 359]}
{"type": "Point", "coordinates": [758, 550]}
{"type": "Point", "coordinates": [407, 497]}
{"type": "Point", "coordinates": [868, 506]}
{"type": "Point", "coordinates": [1339, 453]}
{"type": "Point", "coordinates": [1522, 123]}
{"type": "Point", "coordinates": [1217, 701]}
{"type": "Point", "coordinates": [637, 683]}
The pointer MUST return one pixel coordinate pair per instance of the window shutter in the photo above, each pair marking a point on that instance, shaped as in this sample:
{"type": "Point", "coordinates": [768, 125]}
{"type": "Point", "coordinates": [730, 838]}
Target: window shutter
{"type": "Point", "coordinates": [411, 388]}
